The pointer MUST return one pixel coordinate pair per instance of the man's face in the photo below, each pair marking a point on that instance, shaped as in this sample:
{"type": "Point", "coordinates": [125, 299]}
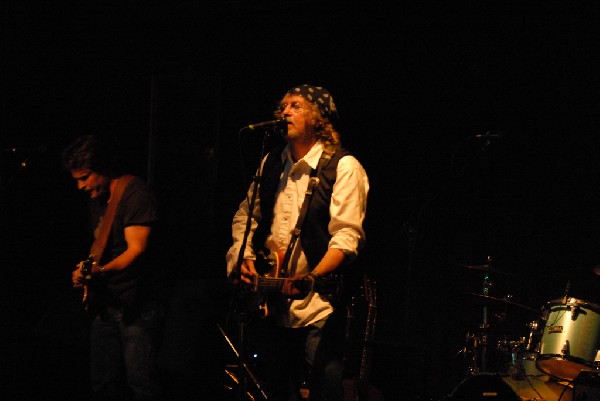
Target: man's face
{"type": "Point", "coordinates": [296, 110]}
{"type": "Point", "coordinates": [93, 183]}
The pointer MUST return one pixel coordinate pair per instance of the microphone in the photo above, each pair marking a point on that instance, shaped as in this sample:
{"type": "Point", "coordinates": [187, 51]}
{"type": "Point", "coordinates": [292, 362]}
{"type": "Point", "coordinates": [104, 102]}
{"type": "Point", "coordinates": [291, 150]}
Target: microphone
{"type": "Point", "coordinates": [488, 138]}
{"type": "Point", "coordinates": [280, 123]}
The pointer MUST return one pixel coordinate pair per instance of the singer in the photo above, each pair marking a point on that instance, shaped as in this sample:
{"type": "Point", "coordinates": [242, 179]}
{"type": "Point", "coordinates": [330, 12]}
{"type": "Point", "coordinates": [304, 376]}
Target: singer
{"type": "Point", "coordinates": [304, 334]}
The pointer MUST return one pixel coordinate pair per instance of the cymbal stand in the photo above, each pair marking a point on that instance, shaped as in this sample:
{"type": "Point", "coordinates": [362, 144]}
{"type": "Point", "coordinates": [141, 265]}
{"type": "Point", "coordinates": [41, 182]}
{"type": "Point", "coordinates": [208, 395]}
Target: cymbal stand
{"type": "Point", "coordinates": [476, 347]}
{"type": "Point", "coordinates": [487, 283]}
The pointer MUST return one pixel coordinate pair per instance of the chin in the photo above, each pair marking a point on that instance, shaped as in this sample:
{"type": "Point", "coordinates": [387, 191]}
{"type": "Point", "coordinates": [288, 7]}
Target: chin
{"type": "Point", "coordinates": [291, 134]}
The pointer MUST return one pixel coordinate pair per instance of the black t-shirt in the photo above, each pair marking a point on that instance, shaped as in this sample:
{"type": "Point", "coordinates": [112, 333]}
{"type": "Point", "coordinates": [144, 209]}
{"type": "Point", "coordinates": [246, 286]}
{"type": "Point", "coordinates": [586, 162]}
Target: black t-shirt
{"type": "Point", "coordinates": [136, 208]}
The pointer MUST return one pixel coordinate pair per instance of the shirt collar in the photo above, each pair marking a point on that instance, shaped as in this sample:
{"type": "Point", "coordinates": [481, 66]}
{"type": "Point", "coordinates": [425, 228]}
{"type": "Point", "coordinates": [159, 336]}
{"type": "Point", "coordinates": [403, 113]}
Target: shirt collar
{"type": "Point", "coordinates": [311, 158]}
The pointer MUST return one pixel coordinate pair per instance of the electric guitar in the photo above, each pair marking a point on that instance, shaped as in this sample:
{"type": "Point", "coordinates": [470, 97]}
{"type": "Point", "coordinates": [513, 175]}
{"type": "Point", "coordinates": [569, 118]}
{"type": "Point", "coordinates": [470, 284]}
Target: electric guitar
{"type": "Point", "coordinates": [86, 271]}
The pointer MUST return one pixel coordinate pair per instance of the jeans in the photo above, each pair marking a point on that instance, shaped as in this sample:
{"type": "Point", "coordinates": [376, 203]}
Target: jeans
{"type": "Point", "coordinates": [122, 356]}
{"type": "Point", "coordinates": [309, 356]}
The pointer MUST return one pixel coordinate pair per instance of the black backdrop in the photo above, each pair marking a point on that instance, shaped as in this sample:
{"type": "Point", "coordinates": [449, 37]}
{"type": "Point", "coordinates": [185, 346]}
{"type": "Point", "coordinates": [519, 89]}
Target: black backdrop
{"type": "Point", "coordinates": [477, 127]}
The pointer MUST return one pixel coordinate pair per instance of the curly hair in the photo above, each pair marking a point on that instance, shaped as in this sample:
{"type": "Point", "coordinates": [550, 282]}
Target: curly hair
{"type": "Point", "coordinates": [323, 127]}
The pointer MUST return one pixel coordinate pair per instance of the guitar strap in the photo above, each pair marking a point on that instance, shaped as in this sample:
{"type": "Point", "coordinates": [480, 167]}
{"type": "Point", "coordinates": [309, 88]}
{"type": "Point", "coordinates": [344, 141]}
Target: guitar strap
{"type": "Point", "coordinates": [312, 186]}
{"type": "Point", "coordinates": [107, 219]}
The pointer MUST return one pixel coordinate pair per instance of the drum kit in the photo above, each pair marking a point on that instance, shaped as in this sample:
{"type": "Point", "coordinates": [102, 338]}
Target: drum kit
{"type": "Point", "coordinates": [561, 343]}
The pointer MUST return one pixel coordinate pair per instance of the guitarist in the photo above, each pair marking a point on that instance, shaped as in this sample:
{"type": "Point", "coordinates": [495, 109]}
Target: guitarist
{"type": "Point", "coordinates": [306, 331]}
{"type": "Point", "coordinates": [121, 292]}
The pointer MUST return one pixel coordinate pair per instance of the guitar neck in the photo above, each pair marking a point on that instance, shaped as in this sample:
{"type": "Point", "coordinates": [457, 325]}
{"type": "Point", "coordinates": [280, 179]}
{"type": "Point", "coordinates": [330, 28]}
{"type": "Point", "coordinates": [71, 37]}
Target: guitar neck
{"type": "Point", "coordinates": [275, 284]}
{"type": "Point", "coordinates": [86, 271]}
{"type": "Point", "coordinates": [365, 363]}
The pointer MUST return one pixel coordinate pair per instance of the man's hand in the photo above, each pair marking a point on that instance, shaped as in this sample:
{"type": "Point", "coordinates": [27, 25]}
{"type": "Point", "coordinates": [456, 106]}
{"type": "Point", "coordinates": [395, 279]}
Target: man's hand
{"type": "Point", "coordinates": [296, 287]}
{"type": "Point", "coordinates": [248, 272]}
{"type": "Point", "coordinates": [77, 276]}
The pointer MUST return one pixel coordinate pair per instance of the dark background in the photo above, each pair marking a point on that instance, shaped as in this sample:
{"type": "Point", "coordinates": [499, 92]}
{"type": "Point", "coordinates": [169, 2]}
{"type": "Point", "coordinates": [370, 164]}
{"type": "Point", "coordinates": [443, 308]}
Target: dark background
{"type": "Point", "coordinates": [477, 127]}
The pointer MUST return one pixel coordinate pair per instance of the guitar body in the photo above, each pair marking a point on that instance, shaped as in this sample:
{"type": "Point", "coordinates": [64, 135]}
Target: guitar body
{"type": "Point", "coordinates": [268, 267]}
{"type": "Point", "coordinates": [269, 285]}
{"type": "Point", "coordinates": [88, 294]}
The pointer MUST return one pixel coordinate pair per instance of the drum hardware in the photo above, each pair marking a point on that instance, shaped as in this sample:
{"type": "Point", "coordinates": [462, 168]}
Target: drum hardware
{"type": "Point", "coordinates": [471, 352]}
{"type": "Point", "coordinates": [506, 300]}
{"type": "Point", "coordinates": [487, 283]}
{"type": "Point", "coordinates": [533, 333]}
{"type": "Point", "coordinates": [511, 349]}
{"type": "Point", "coordinates": [506, 353]}
{"type": "Point", "coordinates": [565, 349]}
{"type": "Point", "coordinates": [476, 348]}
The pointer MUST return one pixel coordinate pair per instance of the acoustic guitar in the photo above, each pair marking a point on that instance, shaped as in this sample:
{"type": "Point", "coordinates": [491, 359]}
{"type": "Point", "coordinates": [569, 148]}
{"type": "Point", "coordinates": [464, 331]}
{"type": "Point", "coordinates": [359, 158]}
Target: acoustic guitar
{"type": "Point", "coordinates": [359, 389]}
{"type": "Point", "coordinates": [271, 283]}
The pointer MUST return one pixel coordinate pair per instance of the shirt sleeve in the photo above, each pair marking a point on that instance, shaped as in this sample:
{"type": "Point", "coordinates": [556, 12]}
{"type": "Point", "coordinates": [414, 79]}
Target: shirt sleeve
{"type": "Point", "coordinates": [238, 229]}
{"type": "Point", "coordinates": [138, 205]}
{"type": "Point", "coordinates": [348, 207]}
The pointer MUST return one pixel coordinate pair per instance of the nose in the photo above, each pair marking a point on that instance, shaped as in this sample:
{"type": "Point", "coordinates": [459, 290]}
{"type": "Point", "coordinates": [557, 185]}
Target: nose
{"type": "Point", "coordinates": [287, 111]}
{"type": "Point", "coordinates": [80, 185]}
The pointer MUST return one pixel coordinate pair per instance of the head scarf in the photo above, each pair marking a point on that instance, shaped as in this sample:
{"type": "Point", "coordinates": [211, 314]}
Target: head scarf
{"type": "Point", "coordinates": [319, 96]}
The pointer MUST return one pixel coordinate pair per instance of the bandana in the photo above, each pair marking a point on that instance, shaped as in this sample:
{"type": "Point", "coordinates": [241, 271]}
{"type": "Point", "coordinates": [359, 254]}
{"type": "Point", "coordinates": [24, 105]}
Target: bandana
{"type": "Point", "coordinates": [319, 96]}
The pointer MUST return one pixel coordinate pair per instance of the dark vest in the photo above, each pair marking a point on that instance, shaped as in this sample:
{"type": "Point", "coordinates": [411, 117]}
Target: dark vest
{"type": "Point", "coordinates": [315, 235]}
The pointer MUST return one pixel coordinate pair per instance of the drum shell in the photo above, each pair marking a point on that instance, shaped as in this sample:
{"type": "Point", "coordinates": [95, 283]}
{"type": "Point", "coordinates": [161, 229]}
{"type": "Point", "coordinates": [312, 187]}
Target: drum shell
{"type": "Point", "coordinates": [570, 338]}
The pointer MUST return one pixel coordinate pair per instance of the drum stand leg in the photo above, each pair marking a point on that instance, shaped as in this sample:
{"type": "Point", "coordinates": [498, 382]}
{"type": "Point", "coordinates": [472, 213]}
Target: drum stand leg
{"type": "Point", "coordinates": [484, 338]}
{"type": "Point", "coordinates": [487, 283]}
{"type": "Point", "coordinates": [476, 351]}
{"type": "Point", "coordinates": [480, 340]}
{"type": "Point", "coordinates": [471, 353]}
{"type": "Point", "coordinates": [477, 343]}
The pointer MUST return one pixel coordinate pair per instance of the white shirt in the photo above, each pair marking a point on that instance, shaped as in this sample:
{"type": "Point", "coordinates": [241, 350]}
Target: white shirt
{"type": "Point", "coordinates": [347, 211]}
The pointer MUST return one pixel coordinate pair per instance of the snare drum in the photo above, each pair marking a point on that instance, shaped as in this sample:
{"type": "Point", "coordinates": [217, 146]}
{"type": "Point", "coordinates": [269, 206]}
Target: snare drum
{"type": "Point", "coordinates": [570, 338]}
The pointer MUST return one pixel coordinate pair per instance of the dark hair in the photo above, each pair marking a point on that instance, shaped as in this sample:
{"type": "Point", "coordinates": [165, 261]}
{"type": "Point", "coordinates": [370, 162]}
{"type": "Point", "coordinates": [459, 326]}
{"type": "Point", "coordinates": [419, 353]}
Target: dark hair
{"type": "Point", "coordinates": [89, 152]}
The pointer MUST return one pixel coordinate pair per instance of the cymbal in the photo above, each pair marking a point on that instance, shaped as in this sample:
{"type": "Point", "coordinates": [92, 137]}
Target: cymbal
{"type": "Point", "coordinates": [486, 267]}
{"type": "Point", "coordinates": [487, 298]}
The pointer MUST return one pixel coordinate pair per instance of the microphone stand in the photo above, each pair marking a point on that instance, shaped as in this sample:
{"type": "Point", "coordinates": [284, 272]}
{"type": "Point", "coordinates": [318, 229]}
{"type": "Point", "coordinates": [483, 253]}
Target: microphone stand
{"type": "Point", "coordinates": [243, 365]}
{"type": "Point", "coordinates": [239, 292]}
